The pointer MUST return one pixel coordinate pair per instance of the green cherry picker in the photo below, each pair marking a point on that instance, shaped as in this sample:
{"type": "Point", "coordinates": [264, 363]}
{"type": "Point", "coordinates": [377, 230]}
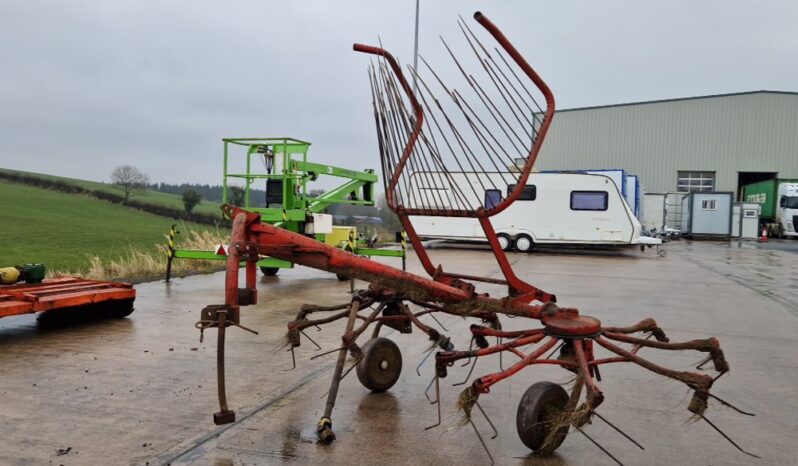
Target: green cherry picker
{"type": "Point", "coordinates": [282, 163]}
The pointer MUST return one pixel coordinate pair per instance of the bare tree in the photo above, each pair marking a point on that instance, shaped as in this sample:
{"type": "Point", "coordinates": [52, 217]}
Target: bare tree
{"type": "Point", "coordinates": [130, 180]}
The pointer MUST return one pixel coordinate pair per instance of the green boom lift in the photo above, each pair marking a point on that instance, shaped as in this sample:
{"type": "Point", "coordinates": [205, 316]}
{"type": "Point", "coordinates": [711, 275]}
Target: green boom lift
{"type": "Point", "coordinates": [283, 164]}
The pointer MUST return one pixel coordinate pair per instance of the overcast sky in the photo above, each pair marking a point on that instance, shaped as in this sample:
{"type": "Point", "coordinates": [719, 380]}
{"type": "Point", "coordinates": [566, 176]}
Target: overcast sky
{"type": "Point", "coordinates": [88, 85]}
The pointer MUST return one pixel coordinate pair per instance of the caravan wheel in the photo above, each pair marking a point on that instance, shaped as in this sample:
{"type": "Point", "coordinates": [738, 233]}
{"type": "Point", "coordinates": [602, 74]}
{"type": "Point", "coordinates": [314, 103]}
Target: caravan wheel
{"type": "Point", "coordinates": [504, 241]}
{"type": "Point", "coordinates": [523, 243]}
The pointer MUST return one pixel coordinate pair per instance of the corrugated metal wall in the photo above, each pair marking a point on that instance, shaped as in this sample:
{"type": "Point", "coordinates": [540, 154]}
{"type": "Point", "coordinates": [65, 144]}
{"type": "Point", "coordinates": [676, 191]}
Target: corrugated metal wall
{"type": "Point", "coordinates": [755, 132]}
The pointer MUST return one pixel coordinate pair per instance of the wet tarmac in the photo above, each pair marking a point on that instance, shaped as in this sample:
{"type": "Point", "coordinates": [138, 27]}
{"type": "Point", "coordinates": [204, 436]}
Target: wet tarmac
{"type": "Point", "coordinates": [142, 390]}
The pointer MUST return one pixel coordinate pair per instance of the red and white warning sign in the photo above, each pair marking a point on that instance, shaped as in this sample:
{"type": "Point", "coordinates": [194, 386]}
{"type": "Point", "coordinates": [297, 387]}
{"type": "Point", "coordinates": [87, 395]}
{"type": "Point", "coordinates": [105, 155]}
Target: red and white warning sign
{"type": "Point", "coordinates": [221, 249]}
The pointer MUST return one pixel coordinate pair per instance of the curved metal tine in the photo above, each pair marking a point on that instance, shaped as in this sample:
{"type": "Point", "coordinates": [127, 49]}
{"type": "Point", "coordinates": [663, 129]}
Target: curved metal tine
{"type": "Point", "coordinates": [293, 360]}
{"type": "Point", "coordinates": [729, 405]}
{"type": "Point", "coordinates": [387, 123]}
{"type": "Point", "coordinates": [619, 430]}
{"type": "Point", "coordinates": [497, 82]}
{"type": "Point", "coordinates": [438, 322]}
{"type": "Point", "coordinates": [381, 143]}
{"type": "Point", "coordinates": [521, 83]}
{"type": "Point", "coordinates": [470, 157]}
{"type": "Point", "coordinates": [480, 137]}
{"type": "Point", "coordinates": [597, 444]}
{"type": "Point", "coordinates": [404, 130]}
{"type": "Point", "coordinates": [485, 415]}
{"type": "Point", "coordinates": [555, 349]}
{"type": "Point", "coordinates": [475, 86]}
{"type": "Point", "coordinates": [470, 348]}
{"type": "Point", "coordinates": [311, 340]}
{"type": "Point", "coordinates": [461, 197]}
{"type": "Point", "coordinates": [328, 352]}
{"type": "Point", "coordinates": [701, 365]}
{"type": "Point", "coordinates": [479, 436]}
{"type": "Point", "coordinates": [426, 390]}
{"type": "Point", "coordinates": [437, 401]}
{"type": "Point", "coordinates": [728, 438]}
{"type": "Point", "coordinates": [470, 371]}
{"type": "Point", "coordinates": [490, 57]}
{"type": "Point", "coordinates": [349, 370]}
{"type": "Point", "coordinates": [423, 360]}
{"type": "Point", "coordinates": [442, 133]}
{"type": "Point", "coordinates": [458, 137]}
{"type": "Point", "coordinates": [501, 358]}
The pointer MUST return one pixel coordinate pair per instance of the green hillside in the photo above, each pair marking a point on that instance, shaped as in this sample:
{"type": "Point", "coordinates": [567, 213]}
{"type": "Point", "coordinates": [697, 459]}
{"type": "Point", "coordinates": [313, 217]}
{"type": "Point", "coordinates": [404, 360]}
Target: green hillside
{"type": "Point", "coordinates": [60, 229]}
{"type": "Point", "coordinates": [148, 196]}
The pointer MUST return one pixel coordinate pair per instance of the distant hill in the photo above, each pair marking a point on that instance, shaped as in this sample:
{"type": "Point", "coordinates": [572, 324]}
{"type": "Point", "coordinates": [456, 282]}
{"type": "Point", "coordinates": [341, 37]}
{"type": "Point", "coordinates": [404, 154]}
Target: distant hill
{"type": "Point", "coordinates": [208, 192]}
{"type": "Point", "coordinates": [207, 208]}
{"type": "Point", "coordinates": [61, 229]}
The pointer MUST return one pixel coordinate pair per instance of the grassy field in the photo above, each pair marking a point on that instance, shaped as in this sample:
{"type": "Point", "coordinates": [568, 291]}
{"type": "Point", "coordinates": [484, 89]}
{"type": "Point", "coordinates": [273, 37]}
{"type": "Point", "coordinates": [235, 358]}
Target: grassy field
{"type": "Point", "coordinates": [64, 230]}
{"type": "Point", "coordinates": [149, 197]}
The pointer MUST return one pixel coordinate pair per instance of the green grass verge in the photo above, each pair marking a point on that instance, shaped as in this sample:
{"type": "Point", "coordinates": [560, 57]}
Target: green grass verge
{"type": "Point", "coordinates": [61, 230]}
{"type": "Point", "coordinates": [150, 197]}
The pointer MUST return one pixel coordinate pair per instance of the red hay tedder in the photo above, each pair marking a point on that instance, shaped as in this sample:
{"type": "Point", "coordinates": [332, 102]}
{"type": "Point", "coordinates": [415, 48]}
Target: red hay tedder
{"type": "Point", "coordinates": [420, 146]}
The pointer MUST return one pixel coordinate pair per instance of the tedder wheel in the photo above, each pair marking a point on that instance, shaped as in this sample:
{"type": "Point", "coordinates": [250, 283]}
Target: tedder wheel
{"type": "Point", "coordinates": [270, 271]}
{"type": "Point", "coordinates": [504, 241]}
{"type": "Point", "coordinates": [381, 364]}
{"type": "Point", "coordinates": [523, 243]}
{"type": "Point", "coordinates": [539, 412]}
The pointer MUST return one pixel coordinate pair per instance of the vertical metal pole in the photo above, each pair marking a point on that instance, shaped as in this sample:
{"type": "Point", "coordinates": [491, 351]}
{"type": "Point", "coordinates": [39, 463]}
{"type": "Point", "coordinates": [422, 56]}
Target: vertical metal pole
{"type": "Point", "coordinates": [247, 180]}
{"type": "Point", "coordinates": [224, 177]}
{"type": "Point", "coordinates": [170, 253]}
{"type": "Point", "coordinates": [415, 50]}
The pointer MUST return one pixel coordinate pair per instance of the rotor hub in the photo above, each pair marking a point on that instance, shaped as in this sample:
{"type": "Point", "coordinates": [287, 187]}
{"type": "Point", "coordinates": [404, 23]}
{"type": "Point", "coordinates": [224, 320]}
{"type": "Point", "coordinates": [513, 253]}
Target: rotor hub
{"type": "Point", "coordinates": [571, 325]}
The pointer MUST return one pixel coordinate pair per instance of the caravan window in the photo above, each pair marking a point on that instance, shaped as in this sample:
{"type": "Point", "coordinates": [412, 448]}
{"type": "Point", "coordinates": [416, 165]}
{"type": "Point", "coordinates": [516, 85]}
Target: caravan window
{"type": "Point", "coordinates": [529, 192]}
{"type": "Point", "coordinates": [589, 200]}
{"type": "Point", "coordinates": [492, 198]}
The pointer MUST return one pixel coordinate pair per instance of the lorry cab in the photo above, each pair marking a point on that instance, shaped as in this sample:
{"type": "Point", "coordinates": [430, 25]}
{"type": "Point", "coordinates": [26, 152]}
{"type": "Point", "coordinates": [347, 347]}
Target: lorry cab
{"type": "Point", "coordinates": [787, 210]}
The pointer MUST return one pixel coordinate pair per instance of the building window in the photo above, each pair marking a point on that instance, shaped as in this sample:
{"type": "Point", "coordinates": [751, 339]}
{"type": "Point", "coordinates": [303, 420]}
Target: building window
{"type": "Point", "coordinates": [529, 193]}
{"type": "Point", "coordinates": [708, 204]}
{"type": "Point", "coordinates": [689, 182]}
{"type": "Point", "coordinates": [589, 200]}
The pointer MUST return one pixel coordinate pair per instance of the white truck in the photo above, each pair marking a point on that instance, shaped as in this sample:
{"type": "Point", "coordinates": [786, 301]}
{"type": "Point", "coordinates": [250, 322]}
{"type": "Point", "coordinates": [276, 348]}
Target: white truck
{"type": "Point", "coordinates": [554, 209]}
{"type": "Point", "coordinates": [779, 201]}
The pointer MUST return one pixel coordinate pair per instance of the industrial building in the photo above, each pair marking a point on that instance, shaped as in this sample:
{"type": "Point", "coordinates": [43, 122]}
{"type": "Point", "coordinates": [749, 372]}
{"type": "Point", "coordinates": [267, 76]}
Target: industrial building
{"type": "Point", "coordinates": [705, 143]}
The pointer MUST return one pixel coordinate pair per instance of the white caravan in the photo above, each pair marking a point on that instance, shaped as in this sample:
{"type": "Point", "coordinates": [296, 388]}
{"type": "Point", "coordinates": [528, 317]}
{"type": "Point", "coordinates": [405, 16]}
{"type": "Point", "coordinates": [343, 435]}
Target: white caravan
{"type": "Point", "coordinates": [554, 209]}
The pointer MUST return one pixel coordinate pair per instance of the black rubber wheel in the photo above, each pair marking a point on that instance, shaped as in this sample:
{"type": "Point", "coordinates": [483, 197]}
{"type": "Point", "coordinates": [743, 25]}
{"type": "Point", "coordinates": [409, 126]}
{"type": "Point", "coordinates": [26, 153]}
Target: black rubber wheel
{"type": "Point", "coordinates": [524, 243]}
{"type": "Point", "coordinates": [538, 413]}
{"type": "Point", "coordinates": [380, 366]}
{"type": "Point", "coordinates": [341, 277]}
{"type": "Point", "coordinates": [505, 241]}
{"type": "Point", "coordinates": [270, 271]}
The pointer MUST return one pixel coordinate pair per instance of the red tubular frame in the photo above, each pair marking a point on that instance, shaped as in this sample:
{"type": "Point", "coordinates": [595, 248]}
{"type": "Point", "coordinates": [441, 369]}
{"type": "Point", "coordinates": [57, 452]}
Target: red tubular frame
{"type": "Point", "coordinates": [268, 240]}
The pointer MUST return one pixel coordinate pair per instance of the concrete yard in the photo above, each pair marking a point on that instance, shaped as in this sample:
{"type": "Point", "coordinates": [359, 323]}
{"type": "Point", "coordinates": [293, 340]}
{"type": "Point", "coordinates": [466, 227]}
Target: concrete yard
{"type": "Point", "coordinates": [142, 390]}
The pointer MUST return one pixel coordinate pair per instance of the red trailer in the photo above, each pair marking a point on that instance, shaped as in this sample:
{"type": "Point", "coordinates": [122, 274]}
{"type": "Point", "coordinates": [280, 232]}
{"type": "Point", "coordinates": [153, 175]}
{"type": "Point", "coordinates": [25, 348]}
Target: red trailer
{"type": "Point", "coordinates": [67, 293]}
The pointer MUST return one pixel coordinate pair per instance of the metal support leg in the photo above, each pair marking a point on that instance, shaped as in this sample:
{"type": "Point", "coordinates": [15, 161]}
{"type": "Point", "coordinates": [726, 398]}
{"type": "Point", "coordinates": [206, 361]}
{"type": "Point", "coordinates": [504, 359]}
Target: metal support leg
{"type": "Point", "coordinates": [324, 427]}
{"type": "Point", "coordinates": [225, 415]}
